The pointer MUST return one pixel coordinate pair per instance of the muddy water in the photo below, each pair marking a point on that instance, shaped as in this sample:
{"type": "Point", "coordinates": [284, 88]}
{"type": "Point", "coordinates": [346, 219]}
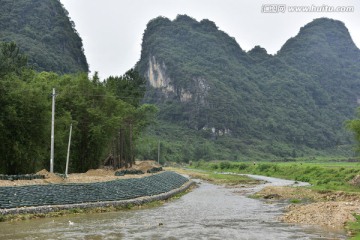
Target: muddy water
{"type": "Point", "coordinates": [208, 212]}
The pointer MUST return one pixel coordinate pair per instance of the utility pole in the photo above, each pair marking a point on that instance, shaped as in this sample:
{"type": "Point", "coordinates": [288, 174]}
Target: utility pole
{"type": "Point", "coordinates": [120, 150]}
{"type": "Point", "coordinates": [52, 132]}
{"type": "Point", "coordinates": [68, 152]}
{"type": "Point", "coordinates": [159, 152]}
{"type": "Point", "coordinates": [131, 145]}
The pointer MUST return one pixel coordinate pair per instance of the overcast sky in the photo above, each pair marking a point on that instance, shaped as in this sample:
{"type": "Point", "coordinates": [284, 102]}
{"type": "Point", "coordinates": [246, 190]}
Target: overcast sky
{"type": "Point", "coordinates": [112, 30]}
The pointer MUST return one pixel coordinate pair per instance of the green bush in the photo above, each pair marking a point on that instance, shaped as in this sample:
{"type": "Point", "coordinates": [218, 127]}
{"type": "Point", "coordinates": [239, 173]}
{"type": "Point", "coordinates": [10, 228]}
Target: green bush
{"type": "Point", "coordinates": [302, 179]}
{"type": "Point", "coordinates": [214, 166]}
{"type": "Point", "coordinates": [243, 166]}
{"type": "Point", "coordinates": [262, 167]}
{"type": "Point", "coordinates": [225, 165]}
{"type": "Point", "coordinates": [294, 200]}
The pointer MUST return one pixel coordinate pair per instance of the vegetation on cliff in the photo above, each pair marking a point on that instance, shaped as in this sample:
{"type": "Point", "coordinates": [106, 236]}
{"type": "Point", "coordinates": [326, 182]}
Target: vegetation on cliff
{"type": "Point", "coordinates": [213, 95]}
{"type": "Point", "coordinates": [45, 33]}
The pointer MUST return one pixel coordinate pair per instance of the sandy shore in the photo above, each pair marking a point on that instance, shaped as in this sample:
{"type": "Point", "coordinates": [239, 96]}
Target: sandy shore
{"type": "Point", "coordinates": [327, 209]}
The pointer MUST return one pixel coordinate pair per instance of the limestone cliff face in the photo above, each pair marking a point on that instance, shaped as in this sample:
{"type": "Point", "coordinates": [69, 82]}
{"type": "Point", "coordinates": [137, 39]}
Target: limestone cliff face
{"type": "Point", "coordinates": [195, 94]}
{"type": "Point", "coordinates": [159, 79]}
{"type": "Point", "coordinates": [202, 90]}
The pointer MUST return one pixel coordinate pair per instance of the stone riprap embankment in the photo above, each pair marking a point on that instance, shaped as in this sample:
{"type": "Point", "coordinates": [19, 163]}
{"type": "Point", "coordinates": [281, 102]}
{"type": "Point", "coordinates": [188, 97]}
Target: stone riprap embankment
{"type": "Point", "coordinates": [21, 177]}
{"type": "Point", "coordinates": [53, 197]}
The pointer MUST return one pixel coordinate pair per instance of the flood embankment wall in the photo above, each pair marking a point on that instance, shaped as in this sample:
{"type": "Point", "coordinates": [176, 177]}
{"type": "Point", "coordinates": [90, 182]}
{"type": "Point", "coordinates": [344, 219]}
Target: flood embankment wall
{"type": "Point", "coordinates": [122, 192]}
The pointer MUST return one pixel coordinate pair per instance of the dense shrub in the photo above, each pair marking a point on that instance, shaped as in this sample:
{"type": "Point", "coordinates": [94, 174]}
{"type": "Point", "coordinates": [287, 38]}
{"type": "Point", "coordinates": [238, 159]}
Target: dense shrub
{"type": "Point", "coordinates": [225, 165]}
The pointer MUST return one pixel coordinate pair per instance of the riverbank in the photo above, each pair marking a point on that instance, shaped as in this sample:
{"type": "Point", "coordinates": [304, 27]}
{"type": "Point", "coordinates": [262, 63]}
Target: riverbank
{"type": "Point", "coordinates": [98, 207]}
{"type": "Point", "coordinates": [333, 200]}
{"type": "Point", "coordinates": [39, 200]}
{"type": "Point", "coordinates": [208, 212]}
{"type": "Point", "coordinates": [227, 180]}
{"type": "Point", "coordinates": [330, 209]}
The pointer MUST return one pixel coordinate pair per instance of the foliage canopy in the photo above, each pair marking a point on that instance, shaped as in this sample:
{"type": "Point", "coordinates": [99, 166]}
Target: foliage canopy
{"type": "Point", "coordinates": [252, 103]}
{"type": "Point", "coordinates": [93, 108]}
{"type": "Point", "coordinates": [45, 33]}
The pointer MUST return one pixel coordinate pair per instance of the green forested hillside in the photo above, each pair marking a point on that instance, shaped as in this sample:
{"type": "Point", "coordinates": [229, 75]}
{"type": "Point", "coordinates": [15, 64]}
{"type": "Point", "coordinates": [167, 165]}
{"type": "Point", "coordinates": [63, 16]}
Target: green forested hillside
{"type": "Point", "coordinates": [44, 32]}
{"type": "Point", "coordinates": [249, 104]}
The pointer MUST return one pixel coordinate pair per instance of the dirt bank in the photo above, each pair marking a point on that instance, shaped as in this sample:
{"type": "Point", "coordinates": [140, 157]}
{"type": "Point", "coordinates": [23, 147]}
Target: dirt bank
{"type": "Point", "coordinates": [328, 209]}
{"type": "Point", "coordinates": [93, 175]}
{"type": "Point", "coordinates": [328, 214]}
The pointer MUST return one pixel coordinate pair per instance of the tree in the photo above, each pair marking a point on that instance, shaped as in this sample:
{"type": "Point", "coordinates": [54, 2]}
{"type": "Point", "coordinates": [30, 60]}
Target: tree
{"type": "Point", "coordinates": [95, 110]}
{"type": "Point", "coordinates": [130, 87]}
{"type": "Point", "coordinates": [11, 61]}
{"type": "Point", "coordinates": [23, 114]}
{"type": "Point", "coordinates": [354, 126]}
{"type": "Point", "coordinates": [96, 114]}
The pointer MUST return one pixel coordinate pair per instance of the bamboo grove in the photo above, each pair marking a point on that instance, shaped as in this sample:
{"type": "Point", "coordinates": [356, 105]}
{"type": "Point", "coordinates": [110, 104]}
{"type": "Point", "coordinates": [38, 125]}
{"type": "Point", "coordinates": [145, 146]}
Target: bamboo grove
{"type": "Point", "coordinates": [107, 117]}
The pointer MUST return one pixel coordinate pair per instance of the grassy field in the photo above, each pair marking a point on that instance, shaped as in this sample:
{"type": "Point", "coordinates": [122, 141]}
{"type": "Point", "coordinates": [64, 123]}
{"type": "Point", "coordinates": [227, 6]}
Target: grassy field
{"type": "Point", "coordinates": [322, 176]}
{"type": "Point", "coordinates": [215, 178]}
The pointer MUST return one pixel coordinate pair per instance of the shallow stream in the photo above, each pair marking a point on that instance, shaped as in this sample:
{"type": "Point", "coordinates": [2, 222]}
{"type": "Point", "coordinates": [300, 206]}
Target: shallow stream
{"type": "Point", "coordinates": [208, 212]}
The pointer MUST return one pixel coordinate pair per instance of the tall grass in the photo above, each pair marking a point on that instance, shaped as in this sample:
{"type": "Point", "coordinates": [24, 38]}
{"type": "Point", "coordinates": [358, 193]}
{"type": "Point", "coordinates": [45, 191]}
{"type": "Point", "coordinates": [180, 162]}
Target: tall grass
{"type": "Point", "coordinates": [323, 176]}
